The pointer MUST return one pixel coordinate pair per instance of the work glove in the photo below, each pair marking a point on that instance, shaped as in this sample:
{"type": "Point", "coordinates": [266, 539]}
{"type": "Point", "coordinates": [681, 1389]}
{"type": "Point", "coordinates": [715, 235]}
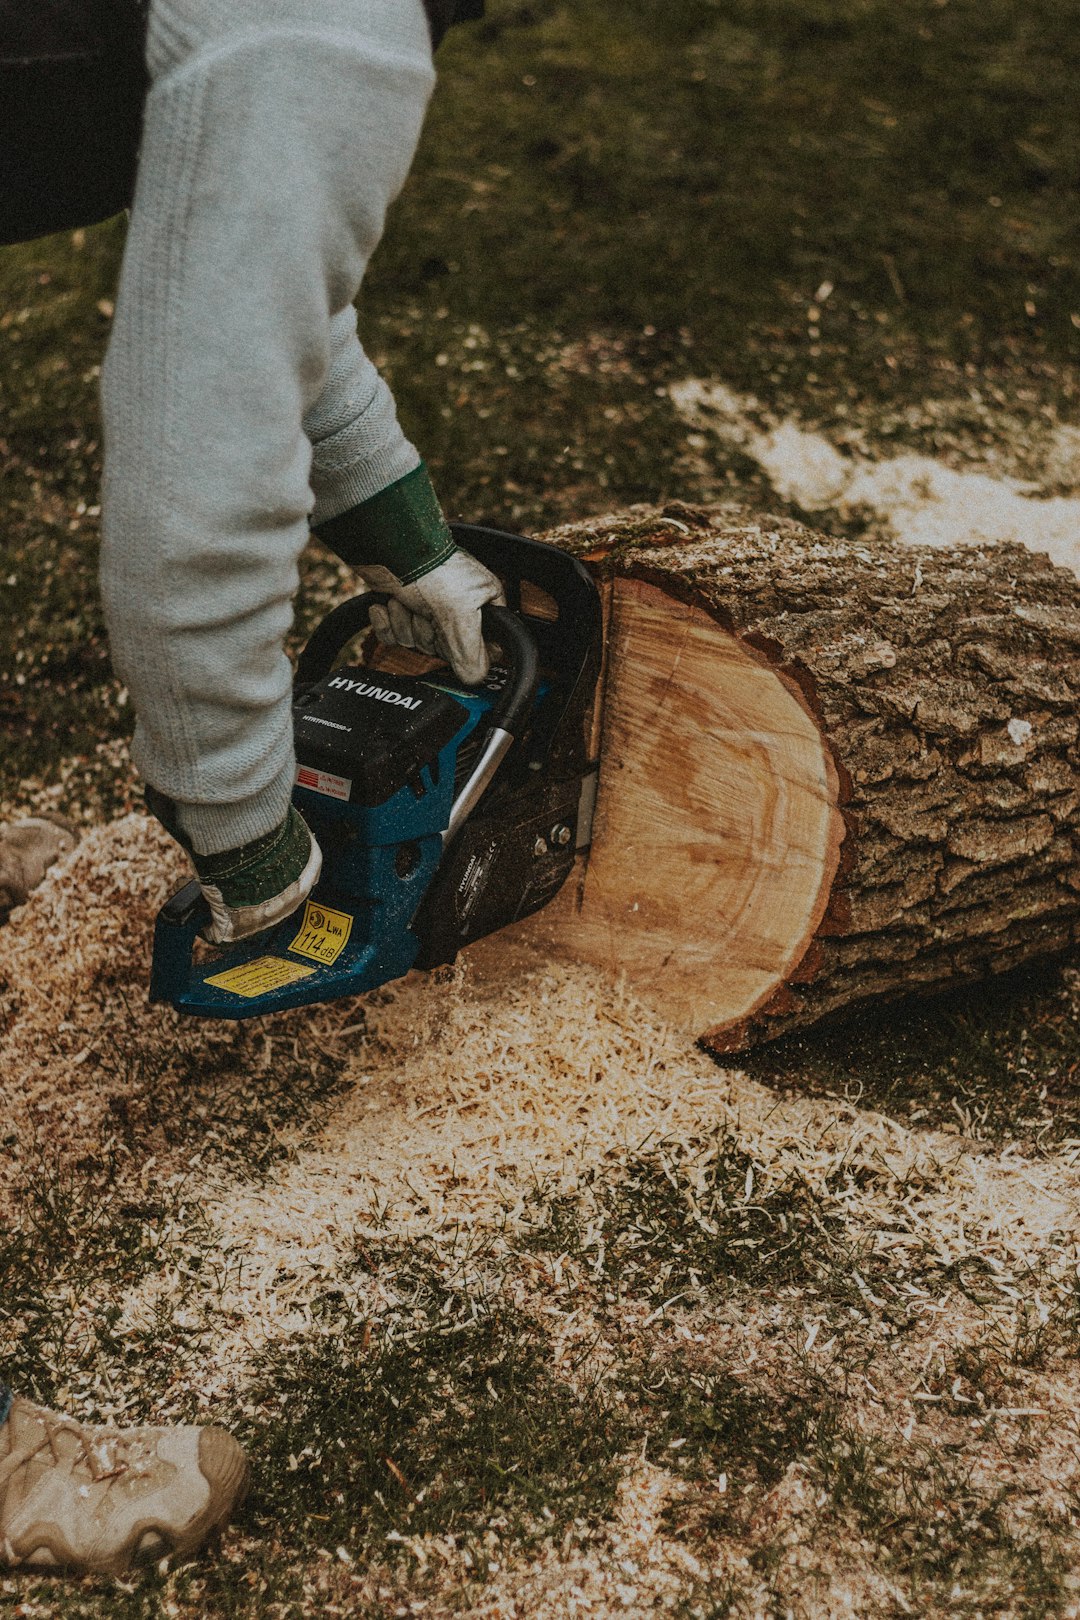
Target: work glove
{"type": "Point", "coordinates": [399, 542]}
{"type": "Point", "coordinates": [439, 614]}
{"type": "Point", "coordinates": [255, 886]}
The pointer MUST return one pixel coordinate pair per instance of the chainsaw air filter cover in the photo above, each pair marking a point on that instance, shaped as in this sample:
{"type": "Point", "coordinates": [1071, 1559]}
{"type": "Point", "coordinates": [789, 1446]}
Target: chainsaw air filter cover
{"type": "Point", "coordinates": [361, 737]}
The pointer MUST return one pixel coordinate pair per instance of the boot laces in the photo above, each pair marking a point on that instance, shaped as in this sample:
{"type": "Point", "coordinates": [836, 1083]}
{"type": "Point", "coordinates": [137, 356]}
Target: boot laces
{"type": "Point", "coordinates": [105, 1456]}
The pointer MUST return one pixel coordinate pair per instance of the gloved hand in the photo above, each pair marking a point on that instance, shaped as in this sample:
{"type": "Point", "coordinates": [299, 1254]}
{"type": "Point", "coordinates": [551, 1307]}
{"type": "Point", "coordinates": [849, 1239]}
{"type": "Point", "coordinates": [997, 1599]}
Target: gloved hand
{"type": "Point", "coordinates": [439, 613]}
{"type": "Point", "coordinates": [399, 541]}
{"type": "Point", "coordinates": [255, 886]}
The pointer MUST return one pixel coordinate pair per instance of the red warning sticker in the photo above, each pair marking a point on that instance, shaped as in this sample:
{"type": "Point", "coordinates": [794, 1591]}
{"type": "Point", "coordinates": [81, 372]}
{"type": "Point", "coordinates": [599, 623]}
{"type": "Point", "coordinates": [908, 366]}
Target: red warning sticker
{"type": "Point", "coordinates": [334, 787]}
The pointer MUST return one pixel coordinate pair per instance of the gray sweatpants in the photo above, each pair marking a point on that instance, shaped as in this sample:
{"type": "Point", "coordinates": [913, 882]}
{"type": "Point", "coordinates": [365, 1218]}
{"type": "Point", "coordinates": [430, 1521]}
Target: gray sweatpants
{"type": "Point", "coordinates": [238, 404]}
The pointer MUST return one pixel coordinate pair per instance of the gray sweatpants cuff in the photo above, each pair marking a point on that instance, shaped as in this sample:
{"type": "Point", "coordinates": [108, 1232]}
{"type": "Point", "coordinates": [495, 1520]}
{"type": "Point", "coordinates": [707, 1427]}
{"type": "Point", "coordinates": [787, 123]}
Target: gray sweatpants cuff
{"type": "Point", "coordinates": [215, 828]}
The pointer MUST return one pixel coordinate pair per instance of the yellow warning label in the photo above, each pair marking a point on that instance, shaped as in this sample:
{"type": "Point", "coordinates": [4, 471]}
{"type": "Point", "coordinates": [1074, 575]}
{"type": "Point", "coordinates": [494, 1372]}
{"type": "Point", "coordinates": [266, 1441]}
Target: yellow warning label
{"type": "Point", "coordinates": [257, 978]}
{"type": "Point", "coordinates": [323, 934]}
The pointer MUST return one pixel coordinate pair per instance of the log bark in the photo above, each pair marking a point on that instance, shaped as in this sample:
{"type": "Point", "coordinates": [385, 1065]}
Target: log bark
{"type": "Point", "coordinates": [831, 772]}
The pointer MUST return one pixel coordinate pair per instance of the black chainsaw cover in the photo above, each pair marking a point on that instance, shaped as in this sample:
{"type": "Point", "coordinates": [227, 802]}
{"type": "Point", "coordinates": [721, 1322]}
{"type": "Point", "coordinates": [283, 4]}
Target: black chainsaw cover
{"type": "Point", "coordinates": [376, 732]}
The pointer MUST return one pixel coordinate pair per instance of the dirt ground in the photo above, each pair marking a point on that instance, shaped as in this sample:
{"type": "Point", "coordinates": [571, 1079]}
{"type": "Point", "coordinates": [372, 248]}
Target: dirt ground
{"type": "Point", "coordinates": [523, 1305]}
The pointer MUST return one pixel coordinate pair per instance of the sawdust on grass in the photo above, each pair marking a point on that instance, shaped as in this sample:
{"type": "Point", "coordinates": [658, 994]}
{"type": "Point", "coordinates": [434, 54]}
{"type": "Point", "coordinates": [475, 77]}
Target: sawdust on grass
{"type": "Point", "coordinates": [468, 1107]}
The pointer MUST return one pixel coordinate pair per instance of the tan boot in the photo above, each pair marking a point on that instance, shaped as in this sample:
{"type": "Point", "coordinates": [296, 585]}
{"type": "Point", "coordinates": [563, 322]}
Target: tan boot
{"type": "Point", "coordinates": [100, 1500]}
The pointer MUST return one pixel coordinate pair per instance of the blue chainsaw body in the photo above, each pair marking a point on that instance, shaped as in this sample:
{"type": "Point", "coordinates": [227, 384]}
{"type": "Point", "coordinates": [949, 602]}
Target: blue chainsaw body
{"type": "Point", "coordinates": [443, 812]}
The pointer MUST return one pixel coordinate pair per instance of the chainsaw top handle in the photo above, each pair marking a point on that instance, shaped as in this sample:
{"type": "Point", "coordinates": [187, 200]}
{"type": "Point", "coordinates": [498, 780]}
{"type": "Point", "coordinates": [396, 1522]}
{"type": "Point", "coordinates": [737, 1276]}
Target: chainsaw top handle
{"type": "Point", "coordinates": [514, 705]}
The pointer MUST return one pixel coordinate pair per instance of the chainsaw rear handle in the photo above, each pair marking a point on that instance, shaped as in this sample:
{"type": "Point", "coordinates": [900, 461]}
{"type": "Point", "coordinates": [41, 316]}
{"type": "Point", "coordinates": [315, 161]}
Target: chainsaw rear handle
{"type": "Point", "coordinates": [514, 705]}
{"type": "Point", "coordinates": [179, 923]}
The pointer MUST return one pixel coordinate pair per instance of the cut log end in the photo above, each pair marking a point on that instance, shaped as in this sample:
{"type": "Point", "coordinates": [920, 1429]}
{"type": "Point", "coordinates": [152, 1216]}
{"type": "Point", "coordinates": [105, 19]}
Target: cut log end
{"type": "Point", "coordinates": [720, 838]}
{"type": "Point", "coordinates": [830, 773]}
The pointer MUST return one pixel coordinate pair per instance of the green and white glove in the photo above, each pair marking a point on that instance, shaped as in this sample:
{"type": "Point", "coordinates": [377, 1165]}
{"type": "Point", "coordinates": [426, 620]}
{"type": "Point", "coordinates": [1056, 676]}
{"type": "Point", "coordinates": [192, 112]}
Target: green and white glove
{"type": "Point", "coordinates": [439, 614]}
{"type": "Point", "coordinates": [256, 886]}
{"type": "Point", "coordinates": [399, 542]}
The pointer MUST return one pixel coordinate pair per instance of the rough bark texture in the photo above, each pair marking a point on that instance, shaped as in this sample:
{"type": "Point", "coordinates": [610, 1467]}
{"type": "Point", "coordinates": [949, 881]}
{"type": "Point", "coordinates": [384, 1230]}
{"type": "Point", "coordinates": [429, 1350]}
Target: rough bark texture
{"type": "Point", "coordinates": [945, 684]}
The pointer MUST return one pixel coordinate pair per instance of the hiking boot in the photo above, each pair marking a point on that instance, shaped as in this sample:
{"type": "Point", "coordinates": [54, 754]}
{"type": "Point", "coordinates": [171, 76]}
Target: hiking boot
{"type": "Point", "coordinates": [96, 1500]}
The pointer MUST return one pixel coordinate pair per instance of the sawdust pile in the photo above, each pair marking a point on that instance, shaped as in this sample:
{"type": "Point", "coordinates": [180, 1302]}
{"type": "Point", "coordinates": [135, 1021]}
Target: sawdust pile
{"type": "Point", "coordinates": [465, 1101]}
{"type": "Point", "coordinates": [923, 500]}
{"type": "Point", "coordinates": [73, 962]}
{"type": "Point", "coordinates": [465, 1098]}
{"type": "Point", "coordinates": [441, 1136]}
{"type": "Point", "coordinates": [461, 1102]}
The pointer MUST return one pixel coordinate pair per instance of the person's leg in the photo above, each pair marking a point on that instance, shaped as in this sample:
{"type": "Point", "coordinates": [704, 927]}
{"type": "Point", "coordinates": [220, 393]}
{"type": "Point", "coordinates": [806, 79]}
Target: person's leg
{"type": "Point", "coordinates": [276, 135]}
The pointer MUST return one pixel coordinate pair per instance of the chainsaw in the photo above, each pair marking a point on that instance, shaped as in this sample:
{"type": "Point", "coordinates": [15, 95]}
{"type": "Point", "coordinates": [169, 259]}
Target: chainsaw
{"type": "Point", "coordinates": [444, 812]}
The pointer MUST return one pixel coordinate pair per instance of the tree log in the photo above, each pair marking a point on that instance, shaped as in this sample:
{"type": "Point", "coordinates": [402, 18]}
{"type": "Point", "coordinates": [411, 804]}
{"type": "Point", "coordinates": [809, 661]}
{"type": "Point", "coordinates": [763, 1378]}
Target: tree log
{"type": "Point", "coordinates": [831, 772]}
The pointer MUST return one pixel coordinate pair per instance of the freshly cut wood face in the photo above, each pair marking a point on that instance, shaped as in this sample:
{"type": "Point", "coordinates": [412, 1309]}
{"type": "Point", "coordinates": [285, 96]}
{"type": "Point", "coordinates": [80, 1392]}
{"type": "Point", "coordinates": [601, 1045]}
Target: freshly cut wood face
{"type": "Point", "coordinates": [940, 689]}
{"type": "Point", "coordinates": [717, 830]}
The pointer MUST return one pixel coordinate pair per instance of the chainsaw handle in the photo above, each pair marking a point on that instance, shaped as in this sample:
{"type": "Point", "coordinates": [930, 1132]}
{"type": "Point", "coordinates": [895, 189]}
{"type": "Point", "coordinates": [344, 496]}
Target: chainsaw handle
{"type": "Point", "coordinates": [512, 711]}
{"type": "Point", "coordinates": [336, 631]}
{"type": "Point", "coordinates": [515, 701]}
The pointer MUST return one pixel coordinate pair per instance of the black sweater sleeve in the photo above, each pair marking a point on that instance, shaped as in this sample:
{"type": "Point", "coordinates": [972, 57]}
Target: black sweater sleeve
{"type": "Point", "coordinates": [443, 14]}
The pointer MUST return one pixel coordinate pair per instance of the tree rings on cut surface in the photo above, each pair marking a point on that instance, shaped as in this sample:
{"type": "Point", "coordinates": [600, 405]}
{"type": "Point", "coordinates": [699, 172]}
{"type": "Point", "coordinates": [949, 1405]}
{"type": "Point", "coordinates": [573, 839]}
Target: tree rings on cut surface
{"type": "Point", "coordinates": [718, 831]}
{"type": "Point", "coordinates": [830, 772]}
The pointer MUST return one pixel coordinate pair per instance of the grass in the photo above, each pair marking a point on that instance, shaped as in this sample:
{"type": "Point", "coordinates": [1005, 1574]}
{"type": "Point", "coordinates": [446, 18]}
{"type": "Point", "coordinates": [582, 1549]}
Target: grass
{"type": "Point", "coordinates": [87, 1233]}
{"type": "Point", "coordinates": [80, 1242]}
{"type": "Point", "coordinates": [998, 1064]}
{"type": "Point", "coordinates": [945, 1534]}
{"type": "Point", "coordinates": [227, 1095]}
{"type": "Point", "coordinates": [408, 1455]}
{"type": "Point", "coordinates": [940, 1532]}
{"type": "Point", "coordinates": [605, 199]}
{"type": "Point", "coordinates": [674, 1225]}
{"type": "Point", "coordinates": [456, 1429]}
{"type": "Point", "coordinates": [709, 1425]}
